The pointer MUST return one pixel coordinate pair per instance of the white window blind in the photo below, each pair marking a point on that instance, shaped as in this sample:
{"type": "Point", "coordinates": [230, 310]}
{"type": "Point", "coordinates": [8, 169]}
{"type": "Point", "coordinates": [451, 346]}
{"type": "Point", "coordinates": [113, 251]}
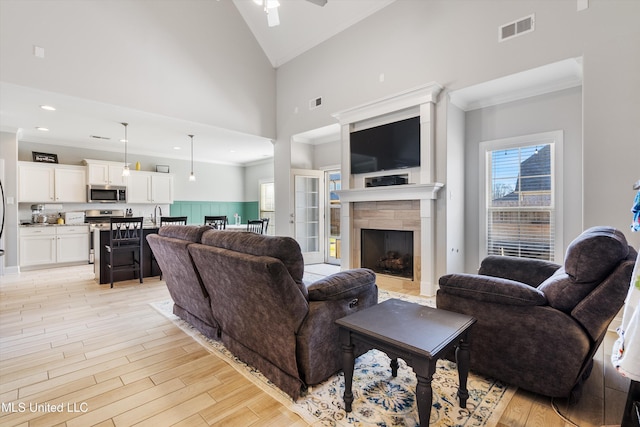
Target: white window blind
{"type": "Point", "coordinates": [520, 215]}
{"type": "Point", "coordinates": [268, 205]}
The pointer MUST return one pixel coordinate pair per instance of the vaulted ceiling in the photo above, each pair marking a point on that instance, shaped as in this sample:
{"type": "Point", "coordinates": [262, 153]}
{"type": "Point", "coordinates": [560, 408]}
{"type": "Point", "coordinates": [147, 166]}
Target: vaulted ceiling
{"type": "Point", "coordinates": [303, 25]}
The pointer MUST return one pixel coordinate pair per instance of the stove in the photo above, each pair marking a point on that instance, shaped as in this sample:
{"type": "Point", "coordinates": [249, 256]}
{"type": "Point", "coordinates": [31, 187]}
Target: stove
{"type": "Point", "coordinates": [99, 218]}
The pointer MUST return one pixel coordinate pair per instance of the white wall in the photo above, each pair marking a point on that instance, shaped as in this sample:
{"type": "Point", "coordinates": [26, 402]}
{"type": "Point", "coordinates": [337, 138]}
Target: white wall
{"type": "Point", "coordinates": [189, 59]}
{"type": "Point", "coordinates": [455, 44]}
{"type": "Point", "coordinates": [9, 152]}
{"type": "Point", "coordinates": [327, 155]}
{"type": "Point", "coordinates": [254, 174]}
{"type": "Point", "coordinates": [455, 190]}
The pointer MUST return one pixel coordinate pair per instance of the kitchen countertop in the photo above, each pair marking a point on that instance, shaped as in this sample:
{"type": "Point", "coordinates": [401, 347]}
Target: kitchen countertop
{"type": "Point", "coordinates": [51, 225]}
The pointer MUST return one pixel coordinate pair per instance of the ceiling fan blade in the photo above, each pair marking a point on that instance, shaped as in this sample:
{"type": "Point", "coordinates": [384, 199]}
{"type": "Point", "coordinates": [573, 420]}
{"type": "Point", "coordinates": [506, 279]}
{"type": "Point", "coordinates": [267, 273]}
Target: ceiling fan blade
{"type": "Point", "coordinates": [318, 2]}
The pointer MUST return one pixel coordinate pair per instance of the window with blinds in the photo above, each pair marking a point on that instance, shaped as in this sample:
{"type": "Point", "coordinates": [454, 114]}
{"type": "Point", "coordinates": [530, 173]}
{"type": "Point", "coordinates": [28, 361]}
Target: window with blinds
{"type": "Point", "coordinates": [520, 216]}
{"type": "Point", "coordinates": [268, 205]}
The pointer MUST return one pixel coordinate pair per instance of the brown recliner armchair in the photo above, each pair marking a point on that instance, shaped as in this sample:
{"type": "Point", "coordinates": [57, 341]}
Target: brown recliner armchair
{"type": "Point", "coordinates": [539, 323]}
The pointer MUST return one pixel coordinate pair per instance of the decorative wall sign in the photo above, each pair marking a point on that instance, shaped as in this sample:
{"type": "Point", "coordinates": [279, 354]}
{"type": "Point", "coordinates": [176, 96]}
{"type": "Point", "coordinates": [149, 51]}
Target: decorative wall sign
{"type": "Point", "coordinates": [44, 157]}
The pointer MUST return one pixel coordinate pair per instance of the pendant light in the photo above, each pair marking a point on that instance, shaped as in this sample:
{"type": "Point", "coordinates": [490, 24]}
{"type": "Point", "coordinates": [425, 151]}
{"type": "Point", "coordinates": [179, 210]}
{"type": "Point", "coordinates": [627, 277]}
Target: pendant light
{"type": "Point", "coordinates": [192, 177]}
{"type": "Point", "coordinates": [125, 169]}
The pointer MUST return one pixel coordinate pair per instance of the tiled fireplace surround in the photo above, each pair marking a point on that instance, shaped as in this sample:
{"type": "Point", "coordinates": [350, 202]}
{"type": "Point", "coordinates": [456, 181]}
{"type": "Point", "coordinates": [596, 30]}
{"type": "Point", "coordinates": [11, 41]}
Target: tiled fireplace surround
{"type": "Point", "coordinates": [407, 207]}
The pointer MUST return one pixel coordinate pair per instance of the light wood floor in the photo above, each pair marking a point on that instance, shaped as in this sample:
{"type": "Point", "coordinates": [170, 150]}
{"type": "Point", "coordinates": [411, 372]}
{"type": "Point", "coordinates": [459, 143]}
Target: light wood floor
{"type": "Point", "coordinates": [110, 359]}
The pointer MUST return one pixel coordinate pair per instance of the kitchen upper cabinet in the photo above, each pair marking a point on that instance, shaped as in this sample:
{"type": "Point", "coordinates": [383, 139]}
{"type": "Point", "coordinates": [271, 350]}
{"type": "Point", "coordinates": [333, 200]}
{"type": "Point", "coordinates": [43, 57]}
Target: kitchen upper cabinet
{"type": "Point", "coordinates": [150, 187]}
{"type": "Point", "coordinates": [104, 173]}
{"type": "Point", "coordinates": [51, 183]}
{"type": "Point", "coordinates": [70, 185]}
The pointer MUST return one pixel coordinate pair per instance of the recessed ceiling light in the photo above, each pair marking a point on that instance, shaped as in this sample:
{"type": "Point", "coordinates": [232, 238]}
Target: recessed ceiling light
{"type": "Point", "coordinates": [48, 107]}
{"type": "Point", "coordinates": [40, 128]}
{"type": "Point", "coordinates": [232, 151]}
{"type": "Point", "coordinates": [177, 148]}
{"type": "Point", "coordinates": [123, 140]}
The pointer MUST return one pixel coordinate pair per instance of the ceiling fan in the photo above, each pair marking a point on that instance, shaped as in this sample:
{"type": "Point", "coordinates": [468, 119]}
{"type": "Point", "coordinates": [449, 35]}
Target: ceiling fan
{"type": "Point", "coordinates": [271, 9]}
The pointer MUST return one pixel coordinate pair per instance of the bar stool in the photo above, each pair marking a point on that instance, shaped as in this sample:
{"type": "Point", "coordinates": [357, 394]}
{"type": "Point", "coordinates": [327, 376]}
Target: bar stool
{"type": "Point", "coordinates": [173, 220]}
{"type": "Point", "coordinates": [125, 238]}
{"type": "Point", "coordinates": [255, 226]}
{"type": "Point", "coordinates": [217, 222]}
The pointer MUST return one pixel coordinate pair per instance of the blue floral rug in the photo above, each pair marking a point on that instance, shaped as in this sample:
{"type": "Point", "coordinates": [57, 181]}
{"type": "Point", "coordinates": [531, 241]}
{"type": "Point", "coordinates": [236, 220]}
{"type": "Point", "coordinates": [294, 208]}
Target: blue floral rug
{"type": "Point", "coordinates": [379, 399]}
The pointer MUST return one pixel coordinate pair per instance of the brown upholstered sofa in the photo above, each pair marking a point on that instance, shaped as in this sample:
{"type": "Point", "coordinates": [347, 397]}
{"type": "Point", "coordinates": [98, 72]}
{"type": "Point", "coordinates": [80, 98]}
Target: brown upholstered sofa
{"type": "Point", "coordinates": [246, 290]}
{"type": "Point", "coordinates": [539, 323]}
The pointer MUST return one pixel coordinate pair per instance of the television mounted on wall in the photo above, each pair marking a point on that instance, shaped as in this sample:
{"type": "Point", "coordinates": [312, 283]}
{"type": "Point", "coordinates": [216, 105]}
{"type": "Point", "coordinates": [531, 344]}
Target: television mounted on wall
{"type": "Point", "coordinates": [391, 146]}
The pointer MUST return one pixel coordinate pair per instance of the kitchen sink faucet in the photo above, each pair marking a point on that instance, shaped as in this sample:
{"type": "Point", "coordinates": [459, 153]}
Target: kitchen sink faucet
{"type": "Point", "coordinates": [155, 217]}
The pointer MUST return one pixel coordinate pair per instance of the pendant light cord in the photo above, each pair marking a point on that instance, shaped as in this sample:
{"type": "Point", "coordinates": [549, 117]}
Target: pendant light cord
{"type": "Point", "coordinates": [126, 139]}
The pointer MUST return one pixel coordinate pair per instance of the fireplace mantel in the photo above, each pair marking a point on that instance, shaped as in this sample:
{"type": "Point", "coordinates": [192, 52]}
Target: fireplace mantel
{"type": "Point", "coordinates": [391, 192]}
{"type": "Point", "coordinates": [420, 101]}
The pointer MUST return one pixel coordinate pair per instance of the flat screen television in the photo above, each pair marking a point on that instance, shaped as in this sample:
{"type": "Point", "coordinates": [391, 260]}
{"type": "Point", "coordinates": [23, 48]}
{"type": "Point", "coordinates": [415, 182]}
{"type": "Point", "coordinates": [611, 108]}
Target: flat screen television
{"type": "Point", "coordinates": [392, 146]}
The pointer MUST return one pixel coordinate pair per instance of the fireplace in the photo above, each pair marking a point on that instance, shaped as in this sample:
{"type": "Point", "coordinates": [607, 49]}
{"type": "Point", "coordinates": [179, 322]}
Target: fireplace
{"type": "Point", "coordinates": [388, 252]}
{"type": "Point", "coordinates": [410, 207]}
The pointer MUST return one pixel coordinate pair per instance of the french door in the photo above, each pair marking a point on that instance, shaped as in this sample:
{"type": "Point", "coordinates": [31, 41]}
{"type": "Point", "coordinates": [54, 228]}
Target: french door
{"type": "Point", "coordinates": [308, 213]}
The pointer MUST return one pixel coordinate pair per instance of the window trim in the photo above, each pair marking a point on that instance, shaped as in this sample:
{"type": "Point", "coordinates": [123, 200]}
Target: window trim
{"type": "Point", "coordinates": [556, 140]}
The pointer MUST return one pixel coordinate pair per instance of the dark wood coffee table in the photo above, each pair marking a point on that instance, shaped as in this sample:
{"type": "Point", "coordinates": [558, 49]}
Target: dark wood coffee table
{"type": "Point", "coordinates": [417, 334]}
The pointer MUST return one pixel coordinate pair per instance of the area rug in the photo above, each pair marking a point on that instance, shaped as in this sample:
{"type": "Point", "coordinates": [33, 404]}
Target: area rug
{"type": "Point", "coordinates": [379, 399]}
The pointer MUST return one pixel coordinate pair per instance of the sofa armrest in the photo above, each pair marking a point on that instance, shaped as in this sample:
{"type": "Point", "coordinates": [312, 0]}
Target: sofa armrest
{"type": "Point", "coordinates": [491, 289]}
{"type": "Point", "coordinates": [341, 285]}
{"type": "Point", "coordinates": [530, 271]}
{"type": "Point", "coordinates": [319, 351]}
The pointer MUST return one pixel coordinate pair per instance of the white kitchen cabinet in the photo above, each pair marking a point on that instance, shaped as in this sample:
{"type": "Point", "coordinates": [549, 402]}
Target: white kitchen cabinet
{"type": "Point", "coordinates": [150, 187]}
{"type": "Point", "coordinates": [51, 183]}
{"type": "Point", "coordinates": [37, 246]}
{"type": "Point", "coordinates": [70, 185]}
{"type": "Point", "coordinates": [105, 173]}
{"type": "Point", "coordinates": [41, 245]}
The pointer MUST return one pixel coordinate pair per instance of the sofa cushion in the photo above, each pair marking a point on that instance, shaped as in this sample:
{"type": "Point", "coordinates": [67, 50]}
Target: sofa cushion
{"type": "Point", "coordinates": [284, 248]}
{"type": "Point", "coordinates": [590, 258]}
{"type": "Point", "coordinates": [491, 289]}
{"type": "Point", "coordinates": [192, 233]}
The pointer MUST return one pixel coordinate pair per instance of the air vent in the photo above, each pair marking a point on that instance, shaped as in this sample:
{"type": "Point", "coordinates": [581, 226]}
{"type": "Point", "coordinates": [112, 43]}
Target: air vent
{"type": "Point", "coordinates": [516, 28]}
{"type": "Point", "coordinates": [315, 103]}
{"type": "Point", "coordinates": [99, 137]}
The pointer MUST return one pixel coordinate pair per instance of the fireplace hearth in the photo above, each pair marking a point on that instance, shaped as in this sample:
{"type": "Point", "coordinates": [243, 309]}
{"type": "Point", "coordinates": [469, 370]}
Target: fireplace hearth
{"type": "Point", "coordinates": [388, 252]}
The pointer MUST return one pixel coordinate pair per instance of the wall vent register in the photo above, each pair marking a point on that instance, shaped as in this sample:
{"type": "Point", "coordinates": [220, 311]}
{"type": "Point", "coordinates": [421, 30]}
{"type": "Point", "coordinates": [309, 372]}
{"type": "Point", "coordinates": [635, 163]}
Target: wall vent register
{"type": "Point", "coordinates": [516, 28]}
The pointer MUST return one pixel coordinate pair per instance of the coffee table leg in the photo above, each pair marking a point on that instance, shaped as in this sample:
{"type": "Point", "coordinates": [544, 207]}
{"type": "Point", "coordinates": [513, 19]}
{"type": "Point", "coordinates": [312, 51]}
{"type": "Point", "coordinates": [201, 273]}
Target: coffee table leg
{"type": "Point", "coordinates": [394, 367]}
{"type": "Point", "coordinates": [348, 361]}
{"type": "Point", "coordinates": [424, 393]}
{"type": "Point", "coordinates": [462, 360]}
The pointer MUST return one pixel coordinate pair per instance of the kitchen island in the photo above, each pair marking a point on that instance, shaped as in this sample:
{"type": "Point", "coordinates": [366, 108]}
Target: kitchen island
{"type": "Point", "coordinates": [101, 239]}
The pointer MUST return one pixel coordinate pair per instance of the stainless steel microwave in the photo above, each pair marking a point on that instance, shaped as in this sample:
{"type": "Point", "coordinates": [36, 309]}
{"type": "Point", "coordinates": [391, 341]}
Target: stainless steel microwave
{"type": "Point", "coordinates": [106, 194]}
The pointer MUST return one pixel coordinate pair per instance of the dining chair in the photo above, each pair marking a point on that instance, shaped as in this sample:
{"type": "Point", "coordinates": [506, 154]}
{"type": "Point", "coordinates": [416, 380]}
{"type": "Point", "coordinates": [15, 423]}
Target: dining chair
{"type": "Point", "coordinates": [125, 242]}
{"type": "Point", "coordinates": [218, 222]}
{"type": "Point", "coordinates": [266, 225]}
{"type": "Point", "coordinates": [173, 220]}
{"type": "Point", "coordinates": [255, 226]}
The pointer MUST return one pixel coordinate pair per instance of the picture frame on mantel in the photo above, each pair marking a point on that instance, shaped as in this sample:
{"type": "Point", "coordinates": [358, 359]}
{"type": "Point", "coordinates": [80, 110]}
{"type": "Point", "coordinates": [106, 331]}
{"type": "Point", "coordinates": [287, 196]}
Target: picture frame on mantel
{"type": "Point", "coordinates": [162, 168]}
{"type": "Point", "coordinates": [44, 157]}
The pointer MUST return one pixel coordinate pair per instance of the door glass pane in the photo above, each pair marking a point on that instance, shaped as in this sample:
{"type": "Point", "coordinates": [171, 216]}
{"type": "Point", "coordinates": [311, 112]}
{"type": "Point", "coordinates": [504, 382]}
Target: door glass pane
{"type": "Point", "coordinates": [333, 247]}
{"type": "Point", "coordinates": [307, 218]}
